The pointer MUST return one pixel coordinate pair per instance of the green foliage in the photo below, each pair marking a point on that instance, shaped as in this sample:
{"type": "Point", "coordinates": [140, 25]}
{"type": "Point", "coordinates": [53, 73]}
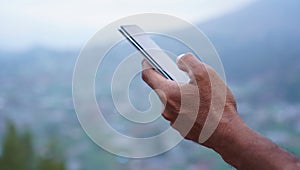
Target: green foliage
{"type": "Point", "coordinates": [52, 158]}
{"type": "Point", "coordinates": [18, 153]}
{"type": "Point", "coordinates": [16, 150]}
{"type": "Point", "coordinates": [50, 164]}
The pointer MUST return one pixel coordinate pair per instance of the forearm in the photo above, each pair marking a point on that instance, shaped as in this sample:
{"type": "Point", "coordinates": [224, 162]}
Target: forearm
{"type": "Point", "coordinates": [243, 148]}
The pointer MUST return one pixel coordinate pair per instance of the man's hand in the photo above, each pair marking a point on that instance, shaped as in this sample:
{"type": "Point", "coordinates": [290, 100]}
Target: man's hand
{"type": "Point", "coordinates": [206, 93]}
{"type": "Point", "coordinates": [205, 102]}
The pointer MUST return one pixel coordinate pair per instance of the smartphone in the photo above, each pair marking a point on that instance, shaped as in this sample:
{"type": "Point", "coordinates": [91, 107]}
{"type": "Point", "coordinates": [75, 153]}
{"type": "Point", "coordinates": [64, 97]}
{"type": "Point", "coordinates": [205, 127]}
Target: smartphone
{"type": "Point", "coordinates": [159, 59]}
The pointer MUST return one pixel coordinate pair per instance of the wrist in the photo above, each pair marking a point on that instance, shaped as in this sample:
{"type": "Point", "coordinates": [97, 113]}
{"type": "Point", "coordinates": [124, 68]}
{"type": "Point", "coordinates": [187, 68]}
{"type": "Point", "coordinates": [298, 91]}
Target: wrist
{"type": "Point", "coordinates": [243, 148]}
{"type": "Point", "coordinates": [230, 138]}
{"type": "Point", "coordinates": [228, 130]}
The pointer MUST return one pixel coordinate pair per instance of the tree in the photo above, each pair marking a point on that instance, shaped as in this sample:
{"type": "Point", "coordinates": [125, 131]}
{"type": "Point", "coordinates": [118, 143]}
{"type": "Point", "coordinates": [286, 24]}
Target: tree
{"type": "Point", "coordinates": [18, 152]}
{"type": "Point", "coordinates": [27, 155]}
{"type": "Point", "coordinates": [52, 158]}
{"type": "Point", "coordinates": [11, 149]}
{"type": "Point", "coordinates": [50, 164]}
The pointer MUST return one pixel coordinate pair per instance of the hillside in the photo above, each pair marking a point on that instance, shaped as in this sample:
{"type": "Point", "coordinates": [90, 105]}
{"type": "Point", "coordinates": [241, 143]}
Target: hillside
{"type": "Point", "coordinates": [261, 43]}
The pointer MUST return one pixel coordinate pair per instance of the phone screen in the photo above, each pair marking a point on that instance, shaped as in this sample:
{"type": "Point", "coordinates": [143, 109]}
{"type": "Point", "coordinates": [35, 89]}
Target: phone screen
{"type": "Point", "coordinates": [159, 60]}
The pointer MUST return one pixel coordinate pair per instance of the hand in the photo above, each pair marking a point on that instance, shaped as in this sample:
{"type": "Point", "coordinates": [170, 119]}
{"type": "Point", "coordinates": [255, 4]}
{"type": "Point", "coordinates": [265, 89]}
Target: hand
{"type": "Point", "coordinates": [187, 105]}
{"type": "Point", "coordinates": [204, 110]}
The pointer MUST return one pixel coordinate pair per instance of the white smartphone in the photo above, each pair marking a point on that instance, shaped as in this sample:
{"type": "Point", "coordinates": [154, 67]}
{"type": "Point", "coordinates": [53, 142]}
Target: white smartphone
{"type": "Point", "coordinates": [159, 60]}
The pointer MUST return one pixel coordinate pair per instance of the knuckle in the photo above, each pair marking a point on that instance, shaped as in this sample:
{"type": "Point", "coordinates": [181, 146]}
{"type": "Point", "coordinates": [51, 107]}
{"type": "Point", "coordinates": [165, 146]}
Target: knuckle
{"type": "Point", "coordinates": [173, 97]}
{"type": "Point", "coordinates": [168, 90]}
{"type": "Point", "coordinates": [162, 95]}
{"type": "Point", "coordinates": [200, 71]}
{"type": "Point", "coordinates": [144, 75]}
{"type": "Point", "coordinates": [167, 116]}
{"type": "Point", "coordinates": [175, 106]}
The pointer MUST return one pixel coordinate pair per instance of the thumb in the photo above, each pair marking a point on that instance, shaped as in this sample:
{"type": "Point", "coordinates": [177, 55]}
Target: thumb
{"type": "Point", "coordinates": [191, 65]}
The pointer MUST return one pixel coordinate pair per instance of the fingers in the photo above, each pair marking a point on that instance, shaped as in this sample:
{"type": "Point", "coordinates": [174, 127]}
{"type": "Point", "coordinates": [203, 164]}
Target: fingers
{"type": "Point", "coordinates": [191, 65]}
{"type": "Point", "coordinates": [170, 116]}
{"type": "Point", "coordinates": [152, 77]}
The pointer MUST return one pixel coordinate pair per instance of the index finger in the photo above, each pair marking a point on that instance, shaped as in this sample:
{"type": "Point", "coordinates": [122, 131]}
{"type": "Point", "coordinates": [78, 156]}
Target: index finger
{"type": "Point", "coordinates": [152, 77]}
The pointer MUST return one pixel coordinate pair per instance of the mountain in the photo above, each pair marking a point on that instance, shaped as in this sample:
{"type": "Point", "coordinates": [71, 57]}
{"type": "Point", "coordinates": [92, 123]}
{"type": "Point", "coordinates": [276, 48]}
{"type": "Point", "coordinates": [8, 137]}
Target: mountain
{"type": "Point", "coordinates": [261, 43]}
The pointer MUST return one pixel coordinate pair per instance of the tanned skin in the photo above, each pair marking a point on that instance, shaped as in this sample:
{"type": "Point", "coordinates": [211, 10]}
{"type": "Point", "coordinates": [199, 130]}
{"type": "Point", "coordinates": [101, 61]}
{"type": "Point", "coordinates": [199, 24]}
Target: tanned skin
{"type": "Point", "coordinates": [238, 145]}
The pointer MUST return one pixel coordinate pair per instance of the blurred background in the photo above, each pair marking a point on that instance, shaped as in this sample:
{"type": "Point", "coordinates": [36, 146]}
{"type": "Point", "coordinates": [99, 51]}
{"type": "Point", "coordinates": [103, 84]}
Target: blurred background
{"type": "Point", "coordinates": [257, 40]}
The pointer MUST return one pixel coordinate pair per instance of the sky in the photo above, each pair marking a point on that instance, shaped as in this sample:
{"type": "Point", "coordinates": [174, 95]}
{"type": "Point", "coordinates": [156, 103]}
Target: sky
{"type": "Point", "coordinates": [70, 23]}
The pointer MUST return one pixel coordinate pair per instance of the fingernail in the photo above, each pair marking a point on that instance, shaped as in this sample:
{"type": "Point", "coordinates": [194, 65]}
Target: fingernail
{"type": "Point", "coordinates": [179, 57]}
